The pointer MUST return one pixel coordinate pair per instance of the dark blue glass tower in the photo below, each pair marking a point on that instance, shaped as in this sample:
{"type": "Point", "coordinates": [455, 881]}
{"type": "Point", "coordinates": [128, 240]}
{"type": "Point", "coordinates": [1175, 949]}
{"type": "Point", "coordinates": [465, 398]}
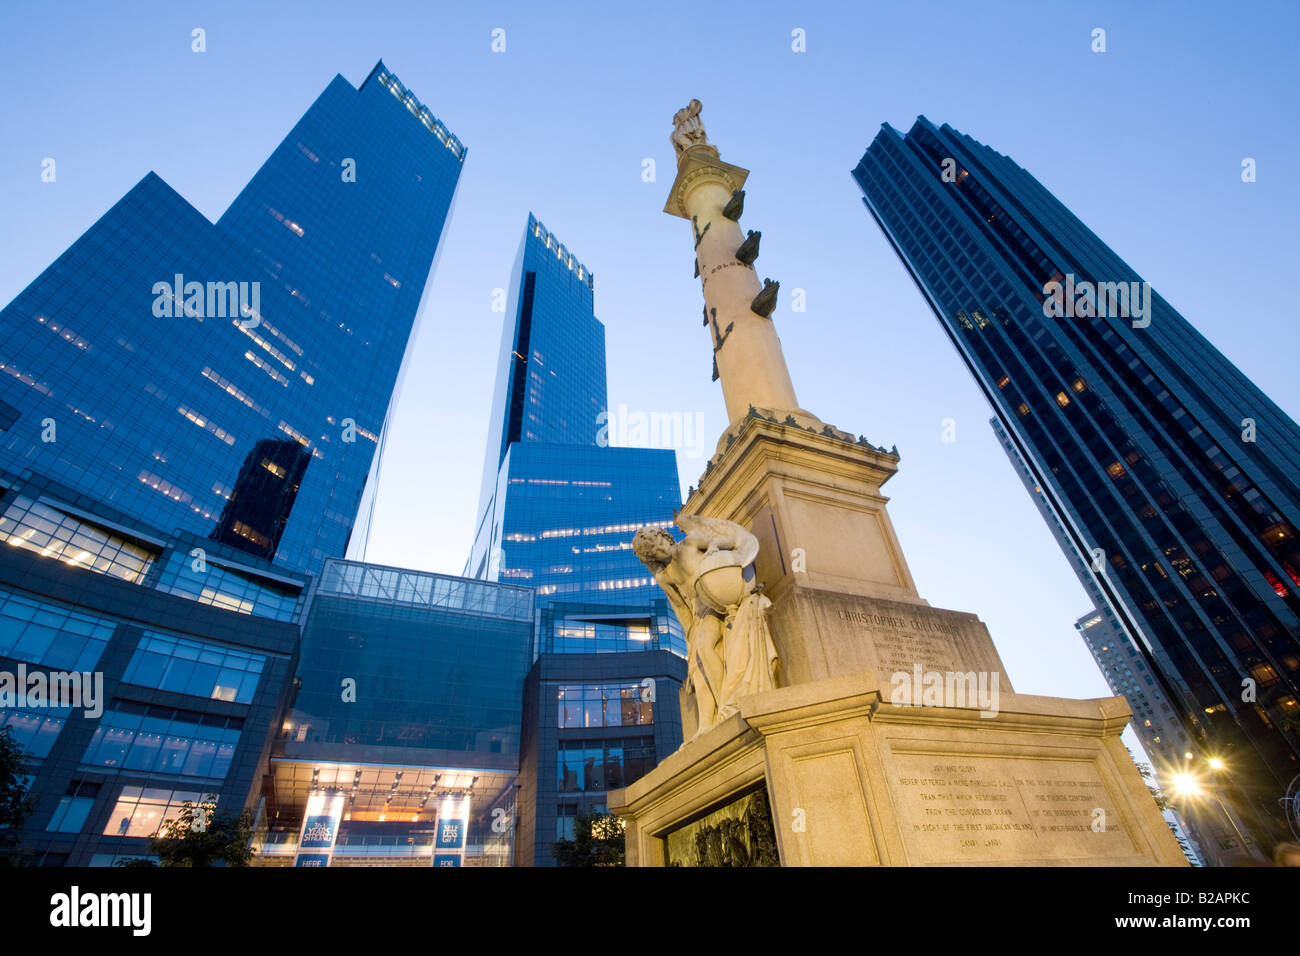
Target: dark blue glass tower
{"type": "Point", "coordinates": [168, 366]}
{"type": "Point", "coordinates": [182, 402]}
{"type": "Point", "coordinates": [1117, 657]}
{"type": "Point", "coordinates": [559, 506]}
{"type": "Point", "coordinates": [1164, 463]}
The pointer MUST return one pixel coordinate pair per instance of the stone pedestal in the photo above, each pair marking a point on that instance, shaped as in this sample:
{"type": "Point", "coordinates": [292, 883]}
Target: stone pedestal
{"type": "Point", "coordinates": [854, 774]}
{"type": "Point", "coordinates": [842, 596]}
{"type": "Point", "coordinates": [853, 780]}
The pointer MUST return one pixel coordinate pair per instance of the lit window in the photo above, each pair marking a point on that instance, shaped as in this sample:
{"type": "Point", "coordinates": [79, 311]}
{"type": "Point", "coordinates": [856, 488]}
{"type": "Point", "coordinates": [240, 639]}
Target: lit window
{"type": "Point", "coordinates": [80, 543]}
{"type": "Point", "coordinates": [205, 424]}
{"type": "Point", "coordinates": [141, 813]}
{"type": "Point", "coordinates": [266, 367]}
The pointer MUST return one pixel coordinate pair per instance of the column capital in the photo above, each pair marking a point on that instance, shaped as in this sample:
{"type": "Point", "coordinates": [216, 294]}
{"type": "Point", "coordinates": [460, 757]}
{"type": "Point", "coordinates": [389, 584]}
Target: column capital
{"type": "Point", "coordinates": [698, 165]}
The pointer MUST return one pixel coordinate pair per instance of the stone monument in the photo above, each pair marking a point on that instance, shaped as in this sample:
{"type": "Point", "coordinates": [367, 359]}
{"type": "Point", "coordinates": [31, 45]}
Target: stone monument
{"type": "Point", "coordinates": [832, 716]}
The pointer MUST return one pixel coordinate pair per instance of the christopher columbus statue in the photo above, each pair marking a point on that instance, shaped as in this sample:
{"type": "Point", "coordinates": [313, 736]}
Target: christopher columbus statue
{"type": "Point", "coordinates": [709, 580]}
{"type": "Point", "coordinates": [688, 129]}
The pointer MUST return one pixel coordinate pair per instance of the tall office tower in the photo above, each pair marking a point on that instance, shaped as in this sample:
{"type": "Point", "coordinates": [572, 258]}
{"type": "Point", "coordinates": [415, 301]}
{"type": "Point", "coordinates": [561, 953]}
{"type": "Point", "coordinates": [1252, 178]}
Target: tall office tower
{"type": "Point", "coordinates": [1205, 825]}
{"type": "Point", "coordinates": [1155, 721]}
{"type": "Point", "coordinates": [559, 505]}
{"type": "Point", "coordinates": [1127, 674]}
{"type": "Point", "coordinates": [557, 512]}
{"type": "Point", "coordinates": [1159, 457]}
{"type": "Point", "coordinates": [155, 365]}
{"type": "Point", "coordinates": [183, 402]}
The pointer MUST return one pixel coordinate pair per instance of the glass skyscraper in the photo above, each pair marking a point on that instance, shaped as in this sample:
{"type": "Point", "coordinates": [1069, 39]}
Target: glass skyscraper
{"type": "Point", "coordinates": [233, 379]}
{"type": "Point", "coordinates": [188, 414]}
{"type": "Point", "coordinates": [1166, 466]}
{"type": "Point", "coordinates": [559, 506]}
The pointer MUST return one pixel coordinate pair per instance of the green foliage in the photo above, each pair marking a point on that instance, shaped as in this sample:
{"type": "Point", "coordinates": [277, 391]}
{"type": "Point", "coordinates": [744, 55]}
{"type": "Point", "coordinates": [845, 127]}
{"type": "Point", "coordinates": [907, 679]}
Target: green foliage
{"type": "Point", "coordinates": [1162, 801]}
{"type": "Point", "coordinates": [1148, 777]}
{"type": "Point", "coordinates": [598, 840]}
{"type": "Point", "coordinates": [15, 803]}
{"type": "Point", "coordinates": [223, 841]}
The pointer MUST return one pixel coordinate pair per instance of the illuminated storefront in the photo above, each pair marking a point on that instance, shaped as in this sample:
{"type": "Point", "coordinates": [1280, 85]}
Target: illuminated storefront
{"type": "Point", "coordinates": [409, 710]}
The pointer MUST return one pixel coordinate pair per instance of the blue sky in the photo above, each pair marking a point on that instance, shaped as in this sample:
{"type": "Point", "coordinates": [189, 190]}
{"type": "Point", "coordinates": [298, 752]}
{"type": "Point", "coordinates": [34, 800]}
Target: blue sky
{"type": "Point", "coordinates": [1144, 142]}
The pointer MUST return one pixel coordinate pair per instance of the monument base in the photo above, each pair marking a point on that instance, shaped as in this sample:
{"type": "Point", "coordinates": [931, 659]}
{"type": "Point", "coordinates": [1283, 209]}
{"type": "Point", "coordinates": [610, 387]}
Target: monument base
{"type": "Point", "coordinates": [850, 779]}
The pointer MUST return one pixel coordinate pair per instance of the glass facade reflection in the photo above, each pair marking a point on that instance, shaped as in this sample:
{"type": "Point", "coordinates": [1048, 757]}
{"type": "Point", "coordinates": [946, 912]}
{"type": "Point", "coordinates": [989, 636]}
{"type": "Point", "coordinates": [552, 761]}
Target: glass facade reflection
{"type": "Point", "coordinates": [551, 371]}
{"type": "Point", "coordinates": [44, 528]}
{"type": "Point", "coordinates": [410, 695]}
{"type": "Point", "coordinates": [231, 379]}
{"type": "Point", "coordinates": [35, 631]}
{"type": "Point", "coordinates": [188, 690]}
{"type": "Point", "coordinates": [164, 740]}
{"type": "Point", "coordinates": [198, 668]}
{"type": "Point", "coordinates": [566, 531]}
{"type": "Point", "coordinates": [427, 675]}
{"type": "Point", "coordinates": [1162, 461]}
{"type": "Point", "coordinates": [603, 765]}
{"type": "Point", "coordinates": [605, 705]}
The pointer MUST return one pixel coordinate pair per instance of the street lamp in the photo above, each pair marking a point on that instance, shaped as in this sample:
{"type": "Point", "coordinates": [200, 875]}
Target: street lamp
{"type": "Point", "coordinates": [1188, 786]}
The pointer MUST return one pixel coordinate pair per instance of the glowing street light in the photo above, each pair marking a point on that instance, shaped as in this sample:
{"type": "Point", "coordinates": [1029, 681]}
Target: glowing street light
{"type": "Point", "coordinates": [1186, 785]}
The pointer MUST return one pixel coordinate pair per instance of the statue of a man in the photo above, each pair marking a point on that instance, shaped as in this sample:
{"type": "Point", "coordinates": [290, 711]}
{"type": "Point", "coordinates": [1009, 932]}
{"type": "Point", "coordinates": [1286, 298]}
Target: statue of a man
{"type": "Point", "coordinates": [688, 129]}
{"type": "Point", "coordinates": [708, 578]}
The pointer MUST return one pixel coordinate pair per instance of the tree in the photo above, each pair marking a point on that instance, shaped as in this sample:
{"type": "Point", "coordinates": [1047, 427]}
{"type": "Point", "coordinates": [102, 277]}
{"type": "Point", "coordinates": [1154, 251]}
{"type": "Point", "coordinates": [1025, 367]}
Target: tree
{"type": "Point", "coordinates": [1162, 801]}
{"type": "Point", "coordinates": [218, 840]}
{"type": "Point", "coordinates": [598, 840]}
{"type": "Point", "coordinates": [15, 803]}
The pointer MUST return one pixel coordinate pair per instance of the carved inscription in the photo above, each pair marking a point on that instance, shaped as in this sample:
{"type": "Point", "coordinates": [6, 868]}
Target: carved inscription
{"type": "Point", "coordinates": [902, 642]}
{"type": "Point", "coordinates": [971, 808]}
